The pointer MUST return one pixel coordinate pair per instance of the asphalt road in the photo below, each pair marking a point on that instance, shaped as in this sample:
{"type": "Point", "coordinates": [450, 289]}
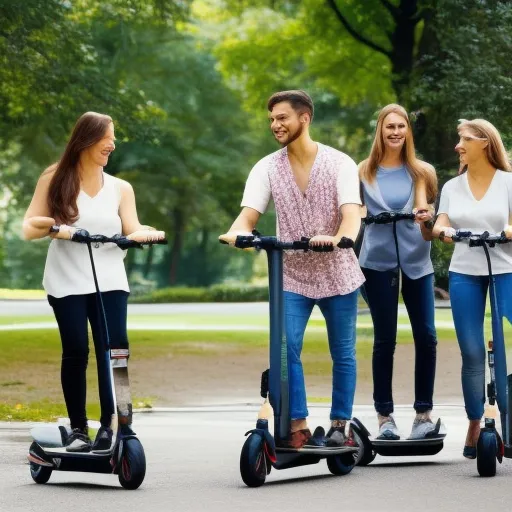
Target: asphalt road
{"type": "Point", "coordinates": [193, 458]}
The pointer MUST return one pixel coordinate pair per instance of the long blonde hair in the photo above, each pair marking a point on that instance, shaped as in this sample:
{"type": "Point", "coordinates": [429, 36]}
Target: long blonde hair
{"type": "Point", "coordinates": [418, 169]}
{"type": "Point", "coordinates": [495, 150]}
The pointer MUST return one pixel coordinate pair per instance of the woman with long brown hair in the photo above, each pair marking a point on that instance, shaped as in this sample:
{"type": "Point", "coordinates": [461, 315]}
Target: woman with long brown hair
{"type": "Point", "coordinates": [76, 192]}
{"type": "Point", "coordinates": [394, 179]}
{"type": "Point", "coordinates": [479, 199]}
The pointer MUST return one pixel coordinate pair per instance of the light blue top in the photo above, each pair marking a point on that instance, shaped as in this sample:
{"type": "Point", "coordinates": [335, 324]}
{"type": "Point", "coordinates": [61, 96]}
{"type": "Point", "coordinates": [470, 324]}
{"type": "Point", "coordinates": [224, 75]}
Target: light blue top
{"type": "Point", "coordinates": [378, 251]}
{"type": "Point", "coordinates": [395, 185]}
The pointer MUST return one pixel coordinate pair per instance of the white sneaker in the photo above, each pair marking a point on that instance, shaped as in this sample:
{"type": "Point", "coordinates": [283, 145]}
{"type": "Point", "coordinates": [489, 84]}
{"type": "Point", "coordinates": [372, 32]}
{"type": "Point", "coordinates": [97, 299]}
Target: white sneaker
{"type": "Point", "coordinates": [388, 431]}
{"type": "Point", "coordinates": [423, 427]}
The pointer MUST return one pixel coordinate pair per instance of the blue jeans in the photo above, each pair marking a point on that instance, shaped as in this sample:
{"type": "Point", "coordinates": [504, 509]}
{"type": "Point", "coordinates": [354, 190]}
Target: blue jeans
{"type": "Point", "coordinates": [468, 298]}
{"type": "Point", "coordinates": [340, 313]}
{"type": "Point", "coordinates": [381, 291]}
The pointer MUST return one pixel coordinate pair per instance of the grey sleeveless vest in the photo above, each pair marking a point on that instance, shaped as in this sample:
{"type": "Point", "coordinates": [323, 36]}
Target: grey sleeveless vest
{"type": "Point", "coordinates": [378, 250]}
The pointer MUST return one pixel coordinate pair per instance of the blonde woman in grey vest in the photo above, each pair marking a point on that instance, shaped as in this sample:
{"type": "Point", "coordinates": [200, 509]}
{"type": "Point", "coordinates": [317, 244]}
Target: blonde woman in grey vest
{"type": "Point", "coordinates": [393, 179]}
{"type": "Point", "coordinates": [75, 192]}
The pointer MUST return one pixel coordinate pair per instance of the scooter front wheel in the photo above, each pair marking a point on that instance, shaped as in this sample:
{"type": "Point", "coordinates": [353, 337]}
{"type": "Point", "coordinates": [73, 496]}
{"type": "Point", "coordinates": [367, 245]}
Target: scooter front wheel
{"type": "Point", "coordinates": [486, 452]}
{"type": "Point", "coordinates": [366, 454]}
{"type": "Point", "coordinates": [132, 469]}
{"type": "Point", "coordinates": [253, 463]}
{"type": "Point", "coordinates": [40, 474]}
{"type": "Point", "coordinates": [341, 464]}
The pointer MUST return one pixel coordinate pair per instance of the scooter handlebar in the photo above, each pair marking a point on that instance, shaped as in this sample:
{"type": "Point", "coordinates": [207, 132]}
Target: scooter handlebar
{"type": "Point", "coordinates": [82, 236]}
{"type": "Point", "coordinates": [479, 239]}
{"type": "Point", "coordinates": [271, 242]}
{"type": "Point", "coordinates": [388, 217]}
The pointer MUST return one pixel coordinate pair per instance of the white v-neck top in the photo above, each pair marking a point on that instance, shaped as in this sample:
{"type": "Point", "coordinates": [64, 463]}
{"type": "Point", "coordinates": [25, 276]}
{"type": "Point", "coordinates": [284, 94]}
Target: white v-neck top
{"type": "Point", "coordinates": [68, 268]}
{"type": "Point", "coordinates": [491, 213]}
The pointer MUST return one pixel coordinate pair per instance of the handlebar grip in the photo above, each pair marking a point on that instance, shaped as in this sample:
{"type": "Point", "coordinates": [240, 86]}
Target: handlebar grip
{"type": "Point", "coordinates": [244, 241]}
{"type": "Point", "coordinates": [346, 243]}
{"type": "Point", "coordinates": [163, 241]}
{"type": "Point", "coordinates": [54, 229]}
{"type": "Point", "coordinates": [321, 248]}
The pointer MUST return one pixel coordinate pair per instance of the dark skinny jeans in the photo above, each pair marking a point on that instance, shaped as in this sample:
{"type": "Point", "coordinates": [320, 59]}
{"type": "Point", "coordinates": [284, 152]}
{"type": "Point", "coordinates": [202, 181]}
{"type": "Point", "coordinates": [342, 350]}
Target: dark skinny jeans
{"type": "Point", "coordinates": [72, 313]}
{"type": "Point", "coordinates": [381, 291]}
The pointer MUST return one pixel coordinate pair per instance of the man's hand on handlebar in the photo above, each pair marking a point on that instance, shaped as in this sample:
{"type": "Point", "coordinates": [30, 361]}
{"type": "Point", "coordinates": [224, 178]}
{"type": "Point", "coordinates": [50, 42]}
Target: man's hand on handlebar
{"type": "Point", "coordinates": [230, 236]}
{"type": "Point", "coordinates": [508, 232]}
{"type": "Point", "coordinates": [324, 240]}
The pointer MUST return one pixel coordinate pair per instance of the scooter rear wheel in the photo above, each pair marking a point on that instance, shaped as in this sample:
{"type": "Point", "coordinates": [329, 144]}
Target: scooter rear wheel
{"type": "Point", "coordinates": [40, 474]}
{"type": "Point", "coordinates": [341, 464]}
{"type": "Point", "coordinates": [253, 463]}
{"type": "Point", "coordinates": [486, 451]}
{"type": "Point", "coordinates": [132, 468]}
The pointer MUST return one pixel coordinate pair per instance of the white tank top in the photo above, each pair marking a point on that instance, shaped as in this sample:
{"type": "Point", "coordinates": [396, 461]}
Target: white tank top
{"type": "Point", "coordinates": [68, 268]}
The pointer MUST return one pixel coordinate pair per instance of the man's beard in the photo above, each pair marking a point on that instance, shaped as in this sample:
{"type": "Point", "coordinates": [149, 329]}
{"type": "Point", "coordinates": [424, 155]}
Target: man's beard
{"type": "Point", "coordinates": [294, 136]}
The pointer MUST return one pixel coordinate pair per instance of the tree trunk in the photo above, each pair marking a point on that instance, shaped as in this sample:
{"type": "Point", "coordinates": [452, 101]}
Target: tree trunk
{"type": "Point", "coordinates": [148, 262]}
{"type": "Point", "coordinates": [178, 217]}
{"type": "Point", "coordinates": [402, 52]}
{"type": "Point", "coordinates": [402, 47]}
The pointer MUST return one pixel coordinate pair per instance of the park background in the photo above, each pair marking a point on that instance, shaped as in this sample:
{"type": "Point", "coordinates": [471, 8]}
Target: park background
{"type": "Point", "coordinates": [186, 83]}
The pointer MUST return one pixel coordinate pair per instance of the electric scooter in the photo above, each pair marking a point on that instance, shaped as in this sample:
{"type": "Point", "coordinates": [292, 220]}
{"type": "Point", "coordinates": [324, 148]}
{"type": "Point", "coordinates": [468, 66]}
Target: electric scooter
{"type": "Point", "coordinates": [371, 446]}
{"type": "Point", "coordinates": [126, 457]}
{"type": "Point", "coordinates": [261, 451]}
{"type": "Point", "coordinates": [491, 446]}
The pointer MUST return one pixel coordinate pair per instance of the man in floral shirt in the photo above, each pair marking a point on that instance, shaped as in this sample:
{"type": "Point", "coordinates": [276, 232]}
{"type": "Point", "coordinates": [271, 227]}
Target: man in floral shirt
{"type": "Point", "coordinates": [315, 189]}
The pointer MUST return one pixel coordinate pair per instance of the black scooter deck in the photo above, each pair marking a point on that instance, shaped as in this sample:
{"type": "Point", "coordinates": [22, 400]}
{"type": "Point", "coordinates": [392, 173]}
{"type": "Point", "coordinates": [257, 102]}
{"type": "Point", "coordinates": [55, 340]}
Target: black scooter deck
{"type": "Point", "coordinates": [60, 460]}
{"type": "Point", "coordinates": [400, 447]}
{"type": "Point", "coordinates": [408, 447]}
{"type": "Point", "coordinates": [322, 451]}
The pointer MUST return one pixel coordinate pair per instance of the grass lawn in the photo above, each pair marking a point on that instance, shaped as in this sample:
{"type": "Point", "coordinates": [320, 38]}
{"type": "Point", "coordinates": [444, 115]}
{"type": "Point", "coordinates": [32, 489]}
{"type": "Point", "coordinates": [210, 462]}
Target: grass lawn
{"type": "Point", "coordinates": [164, 359]}
{"type": "Point", "coordinates": [6, 293]}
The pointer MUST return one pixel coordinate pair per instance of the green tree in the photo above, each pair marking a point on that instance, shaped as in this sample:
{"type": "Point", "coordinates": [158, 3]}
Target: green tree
{"type": "Point", "coordinates": [464, 74]}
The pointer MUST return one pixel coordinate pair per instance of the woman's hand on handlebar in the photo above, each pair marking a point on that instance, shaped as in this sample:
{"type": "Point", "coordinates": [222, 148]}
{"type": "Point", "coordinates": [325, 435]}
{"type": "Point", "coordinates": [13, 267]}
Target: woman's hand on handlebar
{"type": "Point", "coordinates": [508, 232]}
{"type": "Point", "coordinates": [322, 240]}
{"type": "Point", "coordinates": [446, 234]}
{"type": "Point", "coordinates": [65, 232]}
{"type": "Point", "coordinates": [423, 214]}
{"type": "Point", "coordinates": [146, 235]}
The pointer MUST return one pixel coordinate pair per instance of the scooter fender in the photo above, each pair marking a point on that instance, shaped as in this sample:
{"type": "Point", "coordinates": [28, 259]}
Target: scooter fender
{"type": "Point", "coordinates": [501, 448]}
{"type": "Point", "coordinates": [117, 456]}
{"type": "Point", "coordinates": [268, 440]}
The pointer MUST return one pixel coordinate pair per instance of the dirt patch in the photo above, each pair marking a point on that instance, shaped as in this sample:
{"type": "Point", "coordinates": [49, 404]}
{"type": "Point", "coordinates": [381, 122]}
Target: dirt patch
{"type": "Point", "coordinates": [222, 373]}
{"type": "Point", "coordinates": [223, 378]}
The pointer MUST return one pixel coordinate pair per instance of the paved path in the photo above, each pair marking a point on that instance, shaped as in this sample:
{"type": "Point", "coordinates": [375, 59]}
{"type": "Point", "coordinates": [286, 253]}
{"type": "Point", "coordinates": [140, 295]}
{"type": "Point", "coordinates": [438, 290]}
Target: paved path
{"type": "Point", "coordinates": [220, 310]}
{"type": "Point", "coordinates": [41, 307]}
{"type": "Point", "coordinates": [193, 457]}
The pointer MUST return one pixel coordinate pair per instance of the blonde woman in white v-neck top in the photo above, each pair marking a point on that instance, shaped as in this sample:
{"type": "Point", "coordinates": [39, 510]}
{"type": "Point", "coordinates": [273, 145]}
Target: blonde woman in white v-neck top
{"type": "Point", "coordinates": [478, 200]}
{"type": "Point", "coordinates": [76, 192]}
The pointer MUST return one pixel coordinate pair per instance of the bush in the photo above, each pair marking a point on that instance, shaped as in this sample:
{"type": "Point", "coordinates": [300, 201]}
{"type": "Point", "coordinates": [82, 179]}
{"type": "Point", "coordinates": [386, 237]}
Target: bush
{"type": "Point", "coordinates": [216, 293]}
{"type": "Point", "coordinates": [240, 293]}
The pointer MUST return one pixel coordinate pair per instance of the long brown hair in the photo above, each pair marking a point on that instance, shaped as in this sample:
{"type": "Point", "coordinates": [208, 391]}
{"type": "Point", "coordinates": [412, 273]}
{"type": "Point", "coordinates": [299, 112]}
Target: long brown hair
{"type": "Point", "coordinates": [495, 150]}
{"type": "Point", "coordinates": [65, 184]}
{"type": "Point", "coordinates": [418, 169]}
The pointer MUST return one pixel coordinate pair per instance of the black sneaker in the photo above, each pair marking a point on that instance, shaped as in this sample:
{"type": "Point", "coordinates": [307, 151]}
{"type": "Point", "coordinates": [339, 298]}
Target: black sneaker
{"type": "Point", "coordinates": [103, 440]}
{"type": "Point", "coordinates": [336, 437]}
{"type": "Point", "coordinates": [317, 440]}
{"type": "Point", "coordinates": [78, 441]}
